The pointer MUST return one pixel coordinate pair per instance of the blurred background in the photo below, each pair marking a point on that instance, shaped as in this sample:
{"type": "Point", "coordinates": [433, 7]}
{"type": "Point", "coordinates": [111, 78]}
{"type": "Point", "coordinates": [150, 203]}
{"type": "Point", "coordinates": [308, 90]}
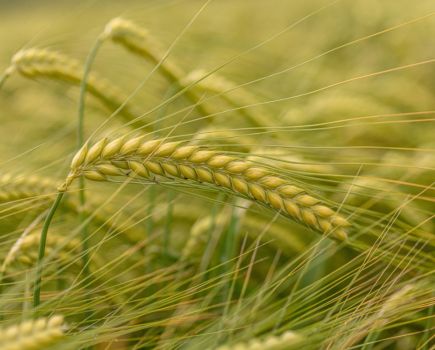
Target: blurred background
{"type": "Point", "coordinates": [346, 88]}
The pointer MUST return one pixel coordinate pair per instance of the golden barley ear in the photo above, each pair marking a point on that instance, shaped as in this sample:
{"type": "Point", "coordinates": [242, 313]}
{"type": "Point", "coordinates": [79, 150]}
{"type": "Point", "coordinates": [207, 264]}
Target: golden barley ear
{"type": "Point", "coordinates": [177, 161]}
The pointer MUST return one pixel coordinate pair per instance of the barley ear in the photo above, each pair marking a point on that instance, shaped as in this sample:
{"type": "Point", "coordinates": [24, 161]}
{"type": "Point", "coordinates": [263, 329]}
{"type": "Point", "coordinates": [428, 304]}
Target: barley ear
{"type": "Point", "coordinates": [33, 334]}
{"type": "Point", "coordinates": [178, 161]}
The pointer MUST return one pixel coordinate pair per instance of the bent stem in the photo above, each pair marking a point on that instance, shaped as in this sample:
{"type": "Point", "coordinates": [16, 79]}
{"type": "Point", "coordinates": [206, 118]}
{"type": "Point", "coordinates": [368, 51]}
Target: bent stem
{"type": "Point", "coordinates": [42, 241]}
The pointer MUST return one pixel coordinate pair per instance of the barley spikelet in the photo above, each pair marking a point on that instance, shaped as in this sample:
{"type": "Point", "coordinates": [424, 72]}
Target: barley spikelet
{"type": "Point", "coordinates": [140, 42]}
{"type": "Point", "coordinates": [237, 97]}
{"type": "Point", "coordinates": [282, 342]}
{"type": "Point", "coordinates": [33, 334]}
{"type": "Point", "coordinates": [43, 63]}
{"type": "Point", "coordinates": [174, 161]}
{"type": "Point", "coordinates": [25, 249]}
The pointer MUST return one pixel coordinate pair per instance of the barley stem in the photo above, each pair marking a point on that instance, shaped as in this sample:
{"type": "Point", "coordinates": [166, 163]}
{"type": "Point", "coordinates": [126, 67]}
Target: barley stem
{"type": "Point", "coordinates": [42, 241]}
{"type": "Point", "coordinates": [80, 139]}
{"type": "Point", "coordinates": [429, 325]}
{"type": "Point", "coordinates": [370, 340]}
{"type": "Point", "coordinates": [168, 223]}
{"type": "Point", "coordinates": [4, 77]}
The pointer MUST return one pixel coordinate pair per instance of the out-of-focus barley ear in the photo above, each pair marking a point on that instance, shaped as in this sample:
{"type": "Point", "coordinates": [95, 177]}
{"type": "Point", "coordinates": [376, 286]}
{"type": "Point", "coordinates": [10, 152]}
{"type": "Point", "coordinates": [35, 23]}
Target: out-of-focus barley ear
{"type": "Point", "coordinates": [33, 334]}
{"type": "Point", "coordinates": [25, 249]}
{"type": "Point", "coordinates": [43, 63]}
{"type": "Point", "coordinates": [287, 340]}
{"type": "Point", "coordinates": [235, 96]}
{"type": "Point", "coordinates": [139, 41]}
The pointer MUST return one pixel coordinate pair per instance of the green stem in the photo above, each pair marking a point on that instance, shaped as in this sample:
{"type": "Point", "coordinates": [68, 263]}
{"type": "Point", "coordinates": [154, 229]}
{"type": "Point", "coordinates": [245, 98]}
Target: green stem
{"type": "Point", "coordinates": [80, 139]}
{"type": "Point", "coordinates": [229, 242]}
{"type": "Point", "coordinates": [370, 340]}
{"type": "Point", "coordinates": [42, 241]}
{"type": "Point", "coordinates": [5, 76]}
{"type": "Point", "coordinates": [425, 339]}
{"type": "Point", "coordinates": [228, 250]}
{"type": "Point", "coordinates": [83, 227]}
{"type": "Point", "coordinates": [83, 88]}
{"type": "Point", "coordinates": [151, 203]}
{"type": "Point", "coordinates": [206, 258]}
{"type": "Point", "coordinates": [168, 224]}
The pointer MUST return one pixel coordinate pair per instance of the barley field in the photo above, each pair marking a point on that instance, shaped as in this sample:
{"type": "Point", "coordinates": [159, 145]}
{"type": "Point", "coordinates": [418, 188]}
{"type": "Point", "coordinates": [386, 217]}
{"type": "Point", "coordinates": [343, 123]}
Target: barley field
{"type": "Point", "coordinates": [217, 174]}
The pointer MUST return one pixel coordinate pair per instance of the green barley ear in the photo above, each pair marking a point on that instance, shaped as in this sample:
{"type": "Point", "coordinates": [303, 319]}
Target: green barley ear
{"type": "Point", "coordinates": [33, 335]}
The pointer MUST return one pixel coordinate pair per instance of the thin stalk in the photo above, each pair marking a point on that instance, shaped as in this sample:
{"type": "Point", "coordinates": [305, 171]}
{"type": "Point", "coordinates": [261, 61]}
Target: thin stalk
{"type": "Point", "coordinates": [5, 75]}
{"type": "Point", "coordinates": [152, 194]}
{"type": "Point", "coordinates": [230, 240]}
{"type": "Point", "coordinates": [80, 139]}
{"type": "Point", "coordinates": [83, 88]}
{"type": "Point", "coordinates": [42, 241]}
{"type": "Point", "coordinates": [429, 325]}
{"type": "Point", "coordinates": [27, 294]}
{"type": "Point", "coordinates": [370, 340]}
{"type": "Point", "coordinates": [151, 202]}
{"type": "Point", "coordinates": [316, 266]}
{"type": "Point", "coordinates": [207, 256]}
{"type": "Point", "coordinates": [229, 249]}
{"type": "Point", "coordinates": [168, 224]}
